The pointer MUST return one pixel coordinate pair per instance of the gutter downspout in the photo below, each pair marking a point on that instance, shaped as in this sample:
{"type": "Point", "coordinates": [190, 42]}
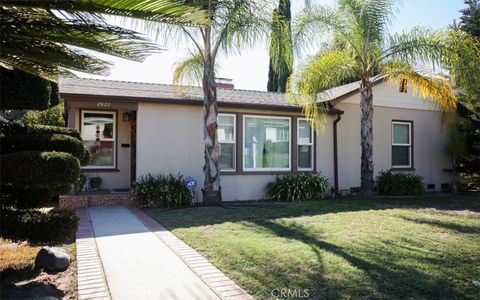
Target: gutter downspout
{"type": "Point", "coordinates": [335, 152]}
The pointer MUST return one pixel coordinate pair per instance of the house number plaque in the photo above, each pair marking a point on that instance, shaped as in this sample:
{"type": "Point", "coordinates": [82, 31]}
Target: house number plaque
{"type": "Point", "coordinates": [103, 104]}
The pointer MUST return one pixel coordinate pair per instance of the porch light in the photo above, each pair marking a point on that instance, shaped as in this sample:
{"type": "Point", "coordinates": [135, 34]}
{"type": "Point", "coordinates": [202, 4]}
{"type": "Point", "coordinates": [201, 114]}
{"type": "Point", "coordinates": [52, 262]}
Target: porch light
{"type": "Point", "coordinates": [127, 116]}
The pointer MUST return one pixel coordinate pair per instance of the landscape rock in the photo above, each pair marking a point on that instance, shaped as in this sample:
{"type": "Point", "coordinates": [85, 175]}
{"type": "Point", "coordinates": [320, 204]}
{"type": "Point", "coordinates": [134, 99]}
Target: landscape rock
{"type": "Point", "coordinates": [52, 259]}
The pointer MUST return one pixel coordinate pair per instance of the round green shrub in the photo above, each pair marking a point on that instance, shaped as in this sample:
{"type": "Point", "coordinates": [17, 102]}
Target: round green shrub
{"type": "Point", "coordinates": [31, 169]}
{"type": "Point", "coordinates": [12, 128]}
{"type": "Point", "coordinates": [23, 198]}
{"type": "Point", "coordinates": [43, 142]}
{"type": "Point", "coordinates": [86, 157]}
{"type": "Point", "coordinates": [55, 226]}
{"type": "Point", "coordinates": [298, 187]}
{"type": "Point", "coordinates": [399, 184]}
{"type": "Point", "coordinates": [162, 191]}
{"type": "Point", "coordinates": [52, 117]}
{"type": "Point", "coordinates": [21, 90]}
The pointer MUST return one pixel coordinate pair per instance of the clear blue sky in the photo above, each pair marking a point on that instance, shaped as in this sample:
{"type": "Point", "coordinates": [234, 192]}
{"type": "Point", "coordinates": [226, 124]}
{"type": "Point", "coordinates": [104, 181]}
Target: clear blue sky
{"type": "Point", "coordinates": [249, 70]}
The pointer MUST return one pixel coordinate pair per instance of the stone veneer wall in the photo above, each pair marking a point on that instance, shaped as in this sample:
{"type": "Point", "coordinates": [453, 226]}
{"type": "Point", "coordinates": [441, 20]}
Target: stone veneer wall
{"type": "Point", "coordinates": [72, 202]}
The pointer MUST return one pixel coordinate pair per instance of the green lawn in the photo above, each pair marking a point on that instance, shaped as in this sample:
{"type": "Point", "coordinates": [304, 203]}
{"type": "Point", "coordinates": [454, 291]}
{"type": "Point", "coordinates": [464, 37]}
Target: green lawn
{"type": "Point", "coordinates": [383, 248]}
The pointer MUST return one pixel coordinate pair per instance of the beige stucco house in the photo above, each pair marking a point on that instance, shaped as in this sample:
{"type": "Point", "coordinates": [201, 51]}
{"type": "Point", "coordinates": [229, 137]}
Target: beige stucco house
{"type": "Point", "coordinates": [134, 129]}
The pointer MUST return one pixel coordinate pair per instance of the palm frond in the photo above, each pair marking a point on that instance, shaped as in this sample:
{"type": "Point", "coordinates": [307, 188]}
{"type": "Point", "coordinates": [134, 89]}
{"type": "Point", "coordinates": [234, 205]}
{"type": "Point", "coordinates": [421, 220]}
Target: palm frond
{"type": "Point", "coordinates": [432, 87]}
{"type": "Point", "coordinates": [314, 22]}
{"type": "Point", "coordinates": [464, 61]}
{"type": "Point", "coordinates": [308, 84]}
{"type": "Point", "coordinates": [369, 18]}
{"type": "Point", "coordinates": [24, 25]}
{"type": "Point", "coordinates": [46, 38]}
{"type": "Point", "coordinates": [189, 71]}
{"type": "Point", "coordinates": [167, 11]}
{"type": "Point", "coordinates": [418, 44]}
{"type": "Point", "coordinates": [240, 23]}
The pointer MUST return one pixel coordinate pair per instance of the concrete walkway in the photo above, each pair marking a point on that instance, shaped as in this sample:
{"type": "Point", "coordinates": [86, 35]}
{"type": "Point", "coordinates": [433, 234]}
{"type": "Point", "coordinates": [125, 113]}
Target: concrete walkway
{"type": "Point", "coordinates": [137, 264]}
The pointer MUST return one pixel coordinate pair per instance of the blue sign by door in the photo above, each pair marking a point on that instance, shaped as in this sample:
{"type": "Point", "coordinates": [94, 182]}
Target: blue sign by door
{"type": "Point", "coordinates": [190, 183]}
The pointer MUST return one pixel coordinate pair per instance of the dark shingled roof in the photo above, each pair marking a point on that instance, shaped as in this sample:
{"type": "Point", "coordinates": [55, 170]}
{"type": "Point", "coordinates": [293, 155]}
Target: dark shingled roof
{"type": "Point", "coordinates": [160, 92]}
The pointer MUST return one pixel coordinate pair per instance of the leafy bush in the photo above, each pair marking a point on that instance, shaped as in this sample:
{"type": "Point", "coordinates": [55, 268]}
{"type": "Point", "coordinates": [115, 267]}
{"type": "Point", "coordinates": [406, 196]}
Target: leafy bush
{"type": "Point", "coordinates": [43, 142]}
{"type": "Point", "coordinates": [23, 198]}
{"type": "Point", "coordinates": [95, 182]}
{"type": "Point", "coordinates": [55, 226]}
{"type": "Point", "coordinates": [53, 170]}
{"type": "Point", "coordinates": [26, 91]}
{"type": "Point", "coordinates": [298, 187]}
{"type": "Point", "coordinates": [16, 129]}
{"type": "Point", "coordinates": [162, 191]}
{"type": "Point", "coordinates": [399, 184]}
{"type": "Point", "coordinates": [52, 116]}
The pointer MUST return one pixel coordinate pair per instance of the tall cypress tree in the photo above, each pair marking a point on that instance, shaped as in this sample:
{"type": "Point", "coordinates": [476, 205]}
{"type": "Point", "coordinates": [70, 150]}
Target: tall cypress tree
{"type": "Point", "coordinates": [469, 110]}
{"type": "Point", "coordinates": [470, 19]}
{"type": "Point", "coordinates": [281, 50]}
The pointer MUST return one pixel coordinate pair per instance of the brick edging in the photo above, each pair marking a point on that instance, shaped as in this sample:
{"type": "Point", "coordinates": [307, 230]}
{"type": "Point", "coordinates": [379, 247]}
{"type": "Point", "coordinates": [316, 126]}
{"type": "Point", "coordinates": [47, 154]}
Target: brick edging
{"type": "Point", "coordinates": [215, 279]}
{"type": "Point", "coordinates": [90, 276]}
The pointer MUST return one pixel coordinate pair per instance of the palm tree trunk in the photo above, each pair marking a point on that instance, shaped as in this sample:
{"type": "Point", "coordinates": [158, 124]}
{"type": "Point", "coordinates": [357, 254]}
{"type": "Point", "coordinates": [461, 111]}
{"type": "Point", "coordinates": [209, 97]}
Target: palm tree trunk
{"type": "Point", "coordinates": [366, 129]}
{"type": "Point", "coordinates": [211, 189]}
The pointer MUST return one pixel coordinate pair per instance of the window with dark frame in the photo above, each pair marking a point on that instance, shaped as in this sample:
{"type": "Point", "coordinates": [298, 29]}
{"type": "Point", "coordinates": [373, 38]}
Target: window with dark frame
{"type": "Point", "coordinates": [226, 136]}
{"type": "Point", "coordinates": [304, 145]}
{"type": "Point", "coordinates": [401, 144]}
{"type": "Point", "coordinates": [266, 143]}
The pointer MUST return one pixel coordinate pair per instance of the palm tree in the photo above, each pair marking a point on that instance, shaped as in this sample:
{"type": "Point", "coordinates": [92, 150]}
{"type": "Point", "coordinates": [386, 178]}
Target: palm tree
{"type": "Point", "coordinates": [235, 24]}
{"type": "Point", "coordinates": [47, 38]}
{"type": "Point", "coordinates": [363, 49]}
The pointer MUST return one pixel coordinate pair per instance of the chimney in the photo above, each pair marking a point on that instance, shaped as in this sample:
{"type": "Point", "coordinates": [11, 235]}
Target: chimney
{"type": "Point", "coordinates": [224, 83]}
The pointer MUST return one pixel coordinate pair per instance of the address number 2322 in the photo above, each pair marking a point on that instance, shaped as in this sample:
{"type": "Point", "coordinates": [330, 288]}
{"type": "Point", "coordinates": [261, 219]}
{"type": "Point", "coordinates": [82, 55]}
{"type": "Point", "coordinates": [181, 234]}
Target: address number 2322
{"type": "Point", "coordinates": [103, 104]}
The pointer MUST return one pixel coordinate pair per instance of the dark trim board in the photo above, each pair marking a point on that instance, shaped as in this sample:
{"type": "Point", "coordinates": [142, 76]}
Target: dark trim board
{"type": "Point", "coordinates": [194, 102]}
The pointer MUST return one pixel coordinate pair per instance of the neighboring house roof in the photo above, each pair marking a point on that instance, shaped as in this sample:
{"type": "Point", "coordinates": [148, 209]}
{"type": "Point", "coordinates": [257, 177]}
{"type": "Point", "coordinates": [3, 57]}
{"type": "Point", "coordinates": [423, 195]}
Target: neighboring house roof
{"type": "Point", "coordinates": [153, 92]}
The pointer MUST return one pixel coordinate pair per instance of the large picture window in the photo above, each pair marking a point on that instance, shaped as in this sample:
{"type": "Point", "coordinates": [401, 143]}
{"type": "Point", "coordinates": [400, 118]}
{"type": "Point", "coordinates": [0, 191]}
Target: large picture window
{"type": "Point", "coordinates": [266, 143]}
{"type": "Point", "coordinates": [98, 135]}
{"type": "Point", "coordinates": [227, 141]}
{"type": "Point", "coordinates": [304, 145]}
{"type": "Point", "coordinates": [401, 144]}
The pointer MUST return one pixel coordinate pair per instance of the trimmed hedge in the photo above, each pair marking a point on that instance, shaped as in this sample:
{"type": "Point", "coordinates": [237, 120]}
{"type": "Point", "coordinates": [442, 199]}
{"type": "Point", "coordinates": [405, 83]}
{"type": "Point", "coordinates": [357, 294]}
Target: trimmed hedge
{"type": "Point", "coordinates": [399, 184]}
{"type": "Point", "coordinates": [23, 198]}
{"type": "Point", "coordinates": [21, 90]}
{"type": "Point", "coordinates": [52, 170]}
{"type": "Point", "coordinates": [162, 191]}
{"type": "Point", "coordinates": [55, 226]}
{"type": "Point", "coordinates": [298, 187]}
{"type": "Point", "coordinates": [54, 116]}
{"type": "Point", "coordinates": [16, 129]}
{"type": "Point", "coordinates": [43, 142]}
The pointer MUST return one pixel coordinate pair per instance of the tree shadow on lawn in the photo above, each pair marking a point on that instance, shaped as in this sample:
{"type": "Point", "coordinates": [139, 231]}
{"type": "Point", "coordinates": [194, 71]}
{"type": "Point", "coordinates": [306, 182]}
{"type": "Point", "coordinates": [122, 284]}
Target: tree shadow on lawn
{"type": "Point", "coordinates": [378, 268]}
{"type": "Point", "coordinates": [238, 212]}
{"type": "Point", "coordinates": [458, 228]}
{"type": "Point", "coordinates": [384, 277]}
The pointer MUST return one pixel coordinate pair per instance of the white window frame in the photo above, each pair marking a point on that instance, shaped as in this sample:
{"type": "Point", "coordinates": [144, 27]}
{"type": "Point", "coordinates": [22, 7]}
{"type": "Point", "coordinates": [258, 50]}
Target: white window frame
{"type": "Point", "coordinates": [234, 142]}
{"type": "Point", "coordinates": [289, 144]}
{"type": "Point", "coordinates": [312, 135]}
{"type": "Point", "coordinates": [114, 139]}
{"type": "Point", "coordinates": [402, 144]}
